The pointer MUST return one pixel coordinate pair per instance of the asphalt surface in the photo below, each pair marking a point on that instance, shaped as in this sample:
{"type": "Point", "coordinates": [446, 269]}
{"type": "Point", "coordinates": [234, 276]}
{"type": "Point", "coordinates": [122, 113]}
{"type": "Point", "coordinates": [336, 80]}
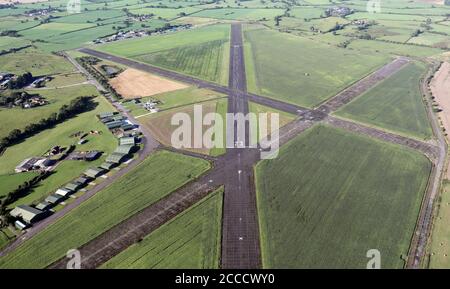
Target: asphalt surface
{"type": "Point", "coordinates": [240, 230]}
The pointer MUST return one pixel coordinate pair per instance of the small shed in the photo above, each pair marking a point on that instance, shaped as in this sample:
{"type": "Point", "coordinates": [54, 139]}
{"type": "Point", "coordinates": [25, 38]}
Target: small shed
{"type": "Point", "coordinates": [108, 166]}
{"type": "Point", "coordinates": [54, 199]}
{"type": "Point", "coordinates": [73, 186]}
{"type": "Point", "coordinates": [127, 141]}
{"type": "Point", "coordinates": [94, 172]}
{"type": "Point", "coordinates": [116, 158]}
{"type": "Point", "coordinates": [124, 149]}
{"type": "Point", "coordinates": [63, 192]}
{"type": "Point", "coordinates": [43, 206]}
{"type": "Point", "coordinates": [114, 124]}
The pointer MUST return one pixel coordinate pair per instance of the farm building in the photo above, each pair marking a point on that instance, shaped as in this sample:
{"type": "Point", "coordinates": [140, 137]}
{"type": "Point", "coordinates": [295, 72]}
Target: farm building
{"type": "Point", "coordinates": [127, 126]}
{"type": "Point", "coordinates": [83, 180]}
{"type": "Point", "coordinates": [116, 158]}
{"type": "Point", "coordinates": [114, 124]}
{"type": "Point", "coordinates": [63, 192]}
{"type": "Point", "coordinates": [19, 225]}
{"type": "Point", "coordinates": [124, 149]}
{"type": "Point", "coordinates": [94, 172]}
{"type": "Point", "coordinates": [73, 186]}
{"type": "Point", "coordinates": [108, 165]}
{"type": "Point", "coordinates": [28, 214]}
{"type": "Point", "coordinates": [54, 199]}
{"type": "Point", "coordinates": [127, 141]}
{"type": "Point", "coordinates": [107, 114]}
{"type": "Point", "coordinates": [43, 206]}
{"type": "Point", "coordinates": [86, 156]}
{"type": "Point", "coordinates": [34, 163]}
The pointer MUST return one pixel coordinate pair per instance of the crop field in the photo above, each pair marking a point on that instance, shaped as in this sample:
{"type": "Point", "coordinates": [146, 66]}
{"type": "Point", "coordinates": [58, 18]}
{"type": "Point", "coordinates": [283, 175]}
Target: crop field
{"type": "Point", "coordinates": [201, 52]}
{"type": "Point", "coordinates": [435, 40]}
{"type": "Point", "coordinates": [206, 61]}
{"type": "Point", "coordinates": [439, 251]}
{"type": "Point", "coordinates": [285, 67]}
{"type": "Point", "coordinates": [332, 195]}
{"type": "Point", "coordinates": [239, 14]}
{"type": "Point", "coordinates": [141, 46]}
{"type": "Point", "coordinates": [191, 240]}
{"type": "Point", "coordinates": [380, 47]}
{"type": "Point", "coordinates": [19, 118]}
{"type": "Point", "coordinates": [153, 179]}
{"type": "Point", "coordinates": [395, 104]}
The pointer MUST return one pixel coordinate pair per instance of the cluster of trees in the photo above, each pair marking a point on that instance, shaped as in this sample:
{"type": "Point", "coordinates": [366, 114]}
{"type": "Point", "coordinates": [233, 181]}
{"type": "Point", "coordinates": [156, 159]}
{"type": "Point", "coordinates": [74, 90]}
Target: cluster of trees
{"type": "Point", "coordinates": [13, 50]}
{"type": "Point", "coordinates": [87, 62]}
{"type": "Point", "coordinates": [10, 33]}
{"type": "Point", "coordinates": [76, 106]}
{"type": "Point", "coordinates": [21, 81]}
{"type": "Point", "coordinates": [10, 99]}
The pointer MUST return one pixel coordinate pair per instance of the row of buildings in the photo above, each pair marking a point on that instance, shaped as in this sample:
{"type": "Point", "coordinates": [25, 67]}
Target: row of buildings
{"type": "Point", "coordinates": [27, 215]}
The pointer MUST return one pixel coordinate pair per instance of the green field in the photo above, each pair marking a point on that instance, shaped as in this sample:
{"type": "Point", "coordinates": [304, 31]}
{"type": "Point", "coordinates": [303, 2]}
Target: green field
{"type": "Point", "coordinates": [34, 61]}
{"type": "Point", "coordinates": [190, 241]}
{"type": "Point", "coordinates": [141, 46]}
{"type": "Point", "coordinates": [395, 104]}
{"type": "Point", "coordinates": [240, 13]}
{"type": "Point", "coordinates": [332, 195]}
{"type": "Point", "coordinates": [10, 182]}
{"type": "Point", "coordinates": [201, 52]}
{"type": "Point", "coordinates": [439, 251]}
{"type": "Point", "coordinates": [286, 67]}
{"type": "Point", "coordinates": [153, 179]}
{"type": "Point", "coordinates": [207, 61]}
{"type": "Point", "coordinates": [19, 118]}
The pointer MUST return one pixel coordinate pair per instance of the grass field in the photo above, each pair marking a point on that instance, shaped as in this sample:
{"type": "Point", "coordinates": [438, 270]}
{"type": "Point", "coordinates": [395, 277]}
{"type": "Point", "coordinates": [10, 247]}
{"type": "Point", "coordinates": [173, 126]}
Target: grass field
{"type": "Point", "coordinates": [439, 251]}
{"type": "Point", "coordinates": [332, 195]}
{"type": "Point", "coordinates": [190, 241]}
{"type": "Point", "coordinates": [147, 45]}
{"type": "Point", "coordinates": [202, 52]}
{"type": "Point", "coordinates": [240, 13]}
{"type": "Point", "coordinates": [153, 179]}
{"type": "Point", "coordinates": [12, 181]}
{"type": "Point", "coordinates": [284, 117]}
{"type": "Point", "coordinates": [34, 61]}
{"type": "Point", "coordinates": [395, 104]}
{"type": "Point", "coordinates": [286, 67]}
{"type": "Point", "coordinates": [207, 61]}
{"type": "Point", "coordinates": [160, 124]}
{"type": "Point", "coordinates": [12, 118]}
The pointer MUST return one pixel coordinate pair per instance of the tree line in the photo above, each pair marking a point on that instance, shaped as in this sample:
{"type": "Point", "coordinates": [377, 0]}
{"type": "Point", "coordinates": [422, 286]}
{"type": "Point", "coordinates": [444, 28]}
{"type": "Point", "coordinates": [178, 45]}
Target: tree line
{"type": "Point", "coordinates": [76, 106]}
